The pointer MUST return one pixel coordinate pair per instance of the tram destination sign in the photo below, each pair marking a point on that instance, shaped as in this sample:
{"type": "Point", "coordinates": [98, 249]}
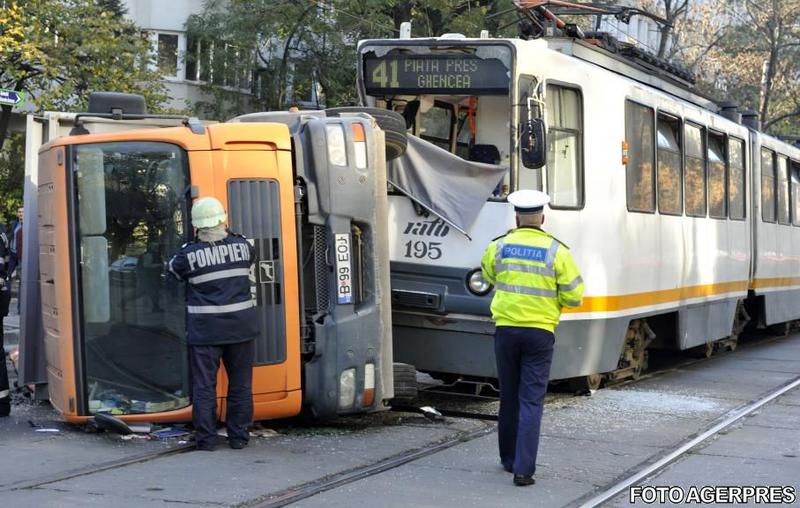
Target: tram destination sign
{"type": "Point", "coordinates": [434, 74]}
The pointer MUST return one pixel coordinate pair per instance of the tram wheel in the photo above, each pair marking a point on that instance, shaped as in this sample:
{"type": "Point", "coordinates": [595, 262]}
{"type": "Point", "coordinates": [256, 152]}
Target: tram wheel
{"type": "Point", "coordinates": [780, 329]}
{"type": "Point", "coordinates": [583, 384]}
{"type": "Point", "coordinates": [391, 122]}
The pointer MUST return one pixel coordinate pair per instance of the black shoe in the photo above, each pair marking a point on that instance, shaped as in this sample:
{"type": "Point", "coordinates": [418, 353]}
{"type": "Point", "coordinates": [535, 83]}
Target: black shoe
{"type": "Point", "coordinates": [205, 447]}
{"type": "Point", "coordinates": [508, 469]}
{"type": "Point", "coordinates": [237, 444]}
{"type": "Point", "coordinates": [523, 480]}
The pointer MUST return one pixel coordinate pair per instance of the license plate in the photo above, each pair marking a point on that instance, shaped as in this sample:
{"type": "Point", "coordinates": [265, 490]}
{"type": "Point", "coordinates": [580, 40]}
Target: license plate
{"type": "Point", "coordinates": [344, 274]}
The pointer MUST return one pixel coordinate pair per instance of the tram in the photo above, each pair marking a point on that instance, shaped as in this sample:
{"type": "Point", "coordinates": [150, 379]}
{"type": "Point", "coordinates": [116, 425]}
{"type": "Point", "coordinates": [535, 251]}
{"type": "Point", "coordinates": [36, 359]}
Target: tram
{"type": "Point", "coordinates": [683, 217]}
{"type": "Point", "coordinates": [115, 186]}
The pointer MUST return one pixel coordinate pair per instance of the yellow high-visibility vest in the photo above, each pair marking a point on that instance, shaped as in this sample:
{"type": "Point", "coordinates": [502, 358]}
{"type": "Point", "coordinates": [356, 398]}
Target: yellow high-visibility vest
{"type": "Point", "coordinates": [534, 276]}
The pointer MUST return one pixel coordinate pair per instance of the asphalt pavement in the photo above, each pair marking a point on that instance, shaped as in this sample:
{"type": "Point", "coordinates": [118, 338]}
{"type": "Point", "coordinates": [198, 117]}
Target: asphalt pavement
{"type": "Point", "coordinates": [588, 443]}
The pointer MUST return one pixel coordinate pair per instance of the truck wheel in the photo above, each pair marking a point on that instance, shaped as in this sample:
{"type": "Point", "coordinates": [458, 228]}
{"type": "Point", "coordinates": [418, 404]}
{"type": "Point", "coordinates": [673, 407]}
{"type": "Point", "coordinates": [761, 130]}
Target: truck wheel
{"type": "Point", "coordinates": [393, 125]}
{"type": "Point", "coordinates": [405, 383]}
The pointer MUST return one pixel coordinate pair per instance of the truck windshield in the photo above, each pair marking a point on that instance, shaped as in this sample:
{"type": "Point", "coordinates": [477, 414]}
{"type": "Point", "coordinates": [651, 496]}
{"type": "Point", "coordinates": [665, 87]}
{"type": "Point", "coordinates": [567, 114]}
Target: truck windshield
{"type": "Point", "coordinates": [131, 217]}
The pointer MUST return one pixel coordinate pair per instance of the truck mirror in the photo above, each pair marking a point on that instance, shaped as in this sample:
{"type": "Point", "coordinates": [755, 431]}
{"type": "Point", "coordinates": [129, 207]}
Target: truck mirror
{"type": "Point", "coordinates": [533, 143]}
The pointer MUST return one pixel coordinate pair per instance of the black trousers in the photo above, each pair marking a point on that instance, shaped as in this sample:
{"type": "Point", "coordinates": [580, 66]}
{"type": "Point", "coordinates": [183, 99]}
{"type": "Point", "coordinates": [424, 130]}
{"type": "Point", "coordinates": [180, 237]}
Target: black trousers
{"type": "Point", "coordinates": [238, 361]}
{"type": "Point", "coordinates": [523, 358]}
{"type": "Point", "coordinates": [5, 394]}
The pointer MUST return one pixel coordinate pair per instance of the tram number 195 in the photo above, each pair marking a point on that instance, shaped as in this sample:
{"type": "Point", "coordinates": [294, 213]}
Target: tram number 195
{"type": "Point", "coordinates": [420, 249]}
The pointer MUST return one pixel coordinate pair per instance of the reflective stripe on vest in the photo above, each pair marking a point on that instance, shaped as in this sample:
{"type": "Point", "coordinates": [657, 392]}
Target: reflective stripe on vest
{"type": "Point", "coordinates": [551, 254]}
{"type": "Point", "coordinates": [572, 285]}
{"type": "Point", "coordinates": [220, 309]}
{"type": "Point", "coordinates": [519, 267]}
{"type": "Point", "coordinates": [4, 394]}
{"type": "Point", "coordinates": [524, 290]}
{"type": "Point", "coordinates": [221, 274]}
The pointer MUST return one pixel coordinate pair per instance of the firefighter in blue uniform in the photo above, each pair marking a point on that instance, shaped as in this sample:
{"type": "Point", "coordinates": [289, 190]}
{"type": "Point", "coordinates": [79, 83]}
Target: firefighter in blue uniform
{"type": "Point", "coordinates": [221, 322]}
{"type": "Point", "coordinates": [534, 277]}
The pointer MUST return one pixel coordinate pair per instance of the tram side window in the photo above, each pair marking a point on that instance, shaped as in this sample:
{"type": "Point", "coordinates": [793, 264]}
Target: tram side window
{"type": "Point", "coordinates": [783, 191]}
{"type": "Point", "coordinates": [565, 147]}
{"type": "Point", "coordinates": [717, 177]}
{"type": "Point", "coordinates": [795, 173]}
{"type": "Point", "coordinates": [640, 170]}
{"type": "Point", "coordinates": [695, 173]}
{"type": "Point", "coordinates": [736, 178]}
{"type": "Point", "coordinates": [767, 186]}
{"type": "Point", "coordinates": [670, 188]}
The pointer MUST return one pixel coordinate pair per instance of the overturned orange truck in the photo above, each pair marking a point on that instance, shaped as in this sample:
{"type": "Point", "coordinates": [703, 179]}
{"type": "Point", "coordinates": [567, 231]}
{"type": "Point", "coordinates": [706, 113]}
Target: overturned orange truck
{"type": "Point", "coordinates": [115, 187]}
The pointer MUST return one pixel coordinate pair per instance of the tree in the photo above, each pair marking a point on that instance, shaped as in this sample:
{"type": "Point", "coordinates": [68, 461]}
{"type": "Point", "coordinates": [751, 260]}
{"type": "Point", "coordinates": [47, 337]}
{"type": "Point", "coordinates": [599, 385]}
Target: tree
{"type": "Point", "coordinates": [12, 173]}
{"type": "Point", "coordinates": [767, 36]}
{"type": "Point", "coordinates": [747, 51]}
{"type": "Point", "coordinates": [297, 45]}
{"type": "Point", "coordinates": [57, 52]}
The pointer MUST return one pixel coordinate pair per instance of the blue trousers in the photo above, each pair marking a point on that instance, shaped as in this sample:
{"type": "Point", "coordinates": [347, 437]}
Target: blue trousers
{"type": "Point", "coordinates": [238, 361]}
{"type": "Point", "coordinates": [523, 358]}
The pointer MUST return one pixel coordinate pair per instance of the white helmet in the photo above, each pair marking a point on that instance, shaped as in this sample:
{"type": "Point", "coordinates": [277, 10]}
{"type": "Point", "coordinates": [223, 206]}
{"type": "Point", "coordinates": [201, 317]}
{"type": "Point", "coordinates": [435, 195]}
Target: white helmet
{"type": "Point", "coordinates": [207, 213]}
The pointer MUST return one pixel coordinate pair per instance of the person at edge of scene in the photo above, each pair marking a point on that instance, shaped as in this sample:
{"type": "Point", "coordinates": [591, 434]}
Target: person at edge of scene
{"type": "Point", "coordinates": [5, 299]}
{"type": "Point", "coordinates": [15, 243]}
{"type": "Point", "coordinates": [534, 277]}
{"type": "Point", "coordinates": [221, 322]}
{"type": "Point", "coordinates": [15, 254]}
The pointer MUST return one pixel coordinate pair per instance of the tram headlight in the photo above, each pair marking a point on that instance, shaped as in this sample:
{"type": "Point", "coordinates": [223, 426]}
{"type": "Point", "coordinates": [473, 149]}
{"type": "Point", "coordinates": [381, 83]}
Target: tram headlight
{"type": "Point", "coordinates": [347, 389]}
{"type": "Point", "coordinates": [477, 284]}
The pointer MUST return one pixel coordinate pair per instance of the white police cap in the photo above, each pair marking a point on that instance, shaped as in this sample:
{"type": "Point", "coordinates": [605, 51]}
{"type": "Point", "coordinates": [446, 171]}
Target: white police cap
{"type": "Point", "coordinates": [528, 200]}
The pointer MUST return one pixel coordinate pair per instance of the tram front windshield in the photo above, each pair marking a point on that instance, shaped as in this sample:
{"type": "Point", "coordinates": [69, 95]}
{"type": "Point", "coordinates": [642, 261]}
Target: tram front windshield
{"type": "Point", "coordinates": [456, 98]}
{"type": "Point", "coordinates": [131, 217]}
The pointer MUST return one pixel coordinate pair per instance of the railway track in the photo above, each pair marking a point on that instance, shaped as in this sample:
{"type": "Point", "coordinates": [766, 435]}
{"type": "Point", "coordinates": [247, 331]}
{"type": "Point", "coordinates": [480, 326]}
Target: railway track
{"type": "Point", "coordinates": [298, 493]}
{"type": "Point", "coordinates": [306, 490]}
{"type": "Point", "coordinates": [659, 462]}
{"type": "Point", "coordinates": [98, 468]}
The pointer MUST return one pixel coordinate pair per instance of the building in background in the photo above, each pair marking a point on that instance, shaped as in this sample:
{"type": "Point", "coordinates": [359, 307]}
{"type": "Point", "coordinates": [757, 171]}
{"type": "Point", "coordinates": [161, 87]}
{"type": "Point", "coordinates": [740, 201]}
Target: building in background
{"type": "Point", "coordinates": [186, 63]}
{"type": "Point", "coordinates": [189, 63]}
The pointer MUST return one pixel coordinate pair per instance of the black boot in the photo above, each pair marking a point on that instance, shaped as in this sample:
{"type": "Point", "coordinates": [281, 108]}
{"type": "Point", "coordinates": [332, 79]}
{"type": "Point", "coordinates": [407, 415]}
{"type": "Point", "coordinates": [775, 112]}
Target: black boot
{"type": "Point", "coordinates": [523, 480]}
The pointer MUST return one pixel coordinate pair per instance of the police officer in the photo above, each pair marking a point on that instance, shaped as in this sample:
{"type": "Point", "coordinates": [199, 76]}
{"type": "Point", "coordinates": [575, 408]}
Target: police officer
{"type": "Point", "coordinates": [534, 276]}
{"type": "Point", "coordinates": [221, 322]}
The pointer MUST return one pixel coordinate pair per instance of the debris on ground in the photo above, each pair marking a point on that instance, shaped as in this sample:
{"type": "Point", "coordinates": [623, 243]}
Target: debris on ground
{"type": "Point", "coordinates": [170, 432]}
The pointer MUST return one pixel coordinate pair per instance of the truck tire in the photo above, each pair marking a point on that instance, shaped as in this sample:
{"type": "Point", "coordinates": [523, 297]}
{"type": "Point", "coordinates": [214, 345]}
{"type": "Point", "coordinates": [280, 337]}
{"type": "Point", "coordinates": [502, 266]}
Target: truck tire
{"type": "Point", "coordinates": [392, 124]}
{"type": "Point", "coordinates": [405, 383]}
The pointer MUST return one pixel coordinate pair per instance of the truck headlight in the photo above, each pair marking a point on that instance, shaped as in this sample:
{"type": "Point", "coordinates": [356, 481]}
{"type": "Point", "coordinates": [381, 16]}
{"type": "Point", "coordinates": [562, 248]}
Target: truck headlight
{"type": "Point", "coordinates": [337, 150]}
{"type": "Point", "coordinates": [477, 284]}
{"type": "Point", "coordinates": [347, 389]}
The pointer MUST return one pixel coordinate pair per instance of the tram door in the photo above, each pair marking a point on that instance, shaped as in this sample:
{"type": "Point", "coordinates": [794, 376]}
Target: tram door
{"type": "Point", "coordinates": [256, 185]}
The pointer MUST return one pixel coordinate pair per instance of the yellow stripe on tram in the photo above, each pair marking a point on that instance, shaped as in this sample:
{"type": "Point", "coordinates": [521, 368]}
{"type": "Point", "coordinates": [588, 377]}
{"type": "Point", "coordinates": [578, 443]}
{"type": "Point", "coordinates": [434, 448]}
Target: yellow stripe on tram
{"type": "Point", "coordinates": [647, 298]}
{"type": "Point", "coordinates": [775, 282]}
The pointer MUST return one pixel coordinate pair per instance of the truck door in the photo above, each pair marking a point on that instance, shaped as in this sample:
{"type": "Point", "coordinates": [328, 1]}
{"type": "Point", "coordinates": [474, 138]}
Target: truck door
{"type": "Point", "coordinates": [254, 180]}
